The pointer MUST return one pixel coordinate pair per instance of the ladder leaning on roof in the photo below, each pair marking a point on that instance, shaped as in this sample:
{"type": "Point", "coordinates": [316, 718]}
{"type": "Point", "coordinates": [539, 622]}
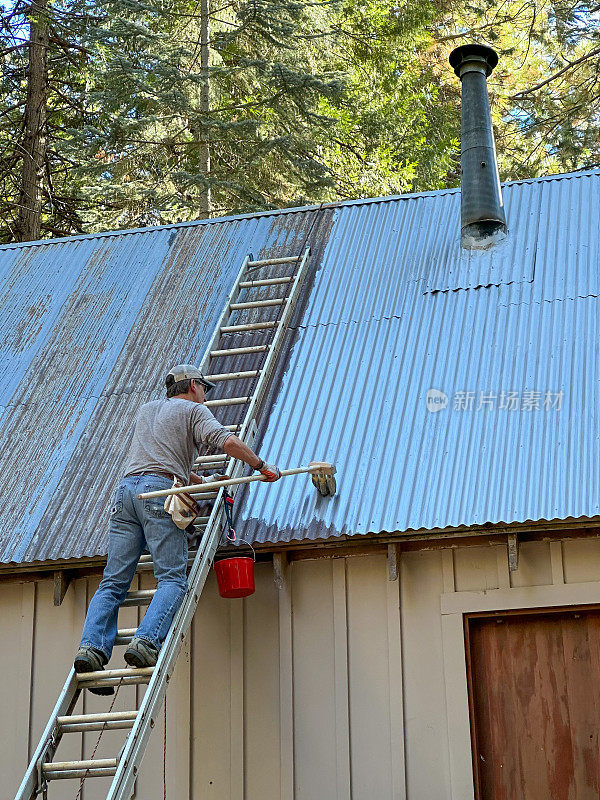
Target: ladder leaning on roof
{"type": "Point", "coordinates": [124, 768]}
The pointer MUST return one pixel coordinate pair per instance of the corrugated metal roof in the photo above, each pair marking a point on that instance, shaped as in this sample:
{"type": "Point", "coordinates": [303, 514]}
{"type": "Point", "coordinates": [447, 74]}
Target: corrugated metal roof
{"type": "Point", "coordinates": [392, 309]}
{"type": "Point", "coordinates": [376, 338]}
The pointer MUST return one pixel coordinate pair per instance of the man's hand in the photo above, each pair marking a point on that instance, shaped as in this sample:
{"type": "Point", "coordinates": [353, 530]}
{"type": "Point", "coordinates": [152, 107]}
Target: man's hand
{"type": "Point", "coordinates": [270, 472]}
{"type": "Point", "coordinates": [216, 476]}
{"type": "Point", "coordinates": [197, 479]}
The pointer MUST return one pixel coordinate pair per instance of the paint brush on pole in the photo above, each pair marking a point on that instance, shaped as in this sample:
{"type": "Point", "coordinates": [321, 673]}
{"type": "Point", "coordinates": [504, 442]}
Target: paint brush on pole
{"type": "Point", "coordinates": [322, 476]}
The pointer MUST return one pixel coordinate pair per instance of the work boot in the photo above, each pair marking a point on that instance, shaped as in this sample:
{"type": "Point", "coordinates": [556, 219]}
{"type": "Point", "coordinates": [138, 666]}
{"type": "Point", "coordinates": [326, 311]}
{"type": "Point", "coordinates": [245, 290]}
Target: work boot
{"type": "Point", "coordinates": [141, 653]}
{"type": "Point", "coordinates": [89, 659]}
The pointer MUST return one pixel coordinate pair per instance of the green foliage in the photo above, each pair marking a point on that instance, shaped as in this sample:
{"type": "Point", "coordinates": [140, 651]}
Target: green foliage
{"type": "Point", "coordinates": [545, 91]}
{"type": "Point", "coordinates": [309, 101]}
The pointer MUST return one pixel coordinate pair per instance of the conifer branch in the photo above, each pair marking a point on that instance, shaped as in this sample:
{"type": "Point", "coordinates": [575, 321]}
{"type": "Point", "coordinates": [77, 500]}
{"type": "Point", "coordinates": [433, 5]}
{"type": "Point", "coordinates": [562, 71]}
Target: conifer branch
{"type": "Point", "coordinates": [570, 65]}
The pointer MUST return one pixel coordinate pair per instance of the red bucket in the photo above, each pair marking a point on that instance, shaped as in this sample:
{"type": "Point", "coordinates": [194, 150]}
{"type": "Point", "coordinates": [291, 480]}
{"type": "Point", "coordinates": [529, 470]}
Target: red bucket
{"type": "Point", "coordinates": [235, 576]}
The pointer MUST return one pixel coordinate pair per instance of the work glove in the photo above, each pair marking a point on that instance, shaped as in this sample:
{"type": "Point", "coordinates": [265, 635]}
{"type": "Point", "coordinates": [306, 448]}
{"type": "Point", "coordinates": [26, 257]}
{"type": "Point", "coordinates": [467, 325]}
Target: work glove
{"type": "Point", "coordinates": [270, 472]}
{"type": "Point", "coordinates": [216, 476]}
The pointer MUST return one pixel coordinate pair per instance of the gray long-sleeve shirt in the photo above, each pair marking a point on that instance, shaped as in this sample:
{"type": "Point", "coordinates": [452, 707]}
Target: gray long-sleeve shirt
{"type": "Point", "coordinates": [167, 436]}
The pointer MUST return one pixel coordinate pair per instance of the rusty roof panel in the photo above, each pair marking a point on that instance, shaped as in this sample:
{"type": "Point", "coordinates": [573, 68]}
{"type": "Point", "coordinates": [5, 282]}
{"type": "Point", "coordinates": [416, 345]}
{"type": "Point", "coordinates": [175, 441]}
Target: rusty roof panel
{"type": "Point", "coordinates": [98, 322]}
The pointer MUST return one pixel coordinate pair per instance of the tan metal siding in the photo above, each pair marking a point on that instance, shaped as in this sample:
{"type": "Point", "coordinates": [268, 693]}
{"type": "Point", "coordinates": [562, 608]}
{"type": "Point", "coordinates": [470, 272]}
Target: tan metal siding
{"type": "Point", "coordinates": [427, 770]}
{"type": "Point", "coordinates": [316, 768]}
{"type": "Point", "coordinates": [16, 635]}
{"type": "Point", "coordinates": [476, 568]}
{"type": "Point", "coordinates": [334, 687]}
{"type": "Point", "coordinates": [56, 634]}
{"type": "Point", "coordinates": [370, 690]}
{"type": "Point", "coordinates": [581, 560]}
{"type": "Point", "coordinates": [261, 688]}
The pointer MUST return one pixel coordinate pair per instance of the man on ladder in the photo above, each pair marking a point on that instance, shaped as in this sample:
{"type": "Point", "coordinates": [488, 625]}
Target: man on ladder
{"type": "Point", "coordinates": [166, 437]}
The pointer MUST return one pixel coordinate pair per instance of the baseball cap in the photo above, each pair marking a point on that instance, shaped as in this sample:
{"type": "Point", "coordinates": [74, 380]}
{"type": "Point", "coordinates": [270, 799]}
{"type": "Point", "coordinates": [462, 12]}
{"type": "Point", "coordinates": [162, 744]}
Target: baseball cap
{"type": "Point", "coordinates": [183, 372]}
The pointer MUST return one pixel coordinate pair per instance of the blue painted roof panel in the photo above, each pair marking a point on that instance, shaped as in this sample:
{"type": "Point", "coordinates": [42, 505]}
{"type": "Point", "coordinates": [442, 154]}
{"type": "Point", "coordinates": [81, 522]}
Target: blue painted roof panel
{"type": "Point", "coordinates": [401, 466]}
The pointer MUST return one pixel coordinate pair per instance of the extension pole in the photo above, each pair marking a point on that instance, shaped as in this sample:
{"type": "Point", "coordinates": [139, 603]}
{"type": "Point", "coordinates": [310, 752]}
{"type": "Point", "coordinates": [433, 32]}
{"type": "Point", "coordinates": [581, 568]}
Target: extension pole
{"type": "Point", "coordinates": [315, 468]}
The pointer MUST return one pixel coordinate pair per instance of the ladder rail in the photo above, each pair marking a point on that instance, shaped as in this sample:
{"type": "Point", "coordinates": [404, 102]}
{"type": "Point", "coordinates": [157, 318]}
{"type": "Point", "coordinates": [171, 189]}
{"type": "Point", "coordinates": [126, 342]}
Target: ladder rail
{"type": "Point", "coordinates": [127, 765]}
{"type": "Point", "coordinates": [276, 344]}
{"type": "Point", "coordinates": [65, 701]}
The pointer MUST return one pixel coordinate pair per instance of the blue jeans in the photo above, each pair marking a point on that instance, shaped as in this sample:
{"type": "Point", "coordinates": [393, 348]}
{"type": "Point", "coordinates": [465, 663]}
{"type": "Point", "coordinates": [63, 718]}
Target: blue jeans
{"type": "Point", "coordinates": [135, 524]}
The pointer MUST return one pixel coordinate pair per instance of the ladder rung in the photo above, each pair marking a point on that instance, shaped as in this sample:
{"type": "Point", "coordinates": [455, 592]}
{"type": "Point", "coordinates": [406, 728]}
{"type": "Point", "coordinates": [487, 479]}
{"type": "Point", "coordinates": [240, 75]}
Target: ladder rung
{"type": "Point", "coordinates": [238, 351]}
{"type": "Point", "coordinates": [148, 566]}
{"type": "Point", "coordinates": [99, 763]}
{"type": "Point", "coordinates": [232, 376]}
{"type": "Point", "coordinates": [209, 466]}
{"type": "Point", "coordinates": [251, 326]}
{"type": "Point", "coordinates": [117, 720]}
{"type": "Point", "coordinates": [106, 772]}
{"type": "Point", "coordinates": [128, 672]}
{"type": "Point", "coordinates": [125, 635]}
{"type": "Point", "coordinates": [227, 401]}
{"type": "Point", "coordinates": [211, 459]}
{"type": "Point", "coordinates": [102, 717]}
{"type": "Point", "coordinates": [279, 301]}
{"type": "Point", "coordinates": [266, 282]}
{"type": "Point", "coordinates": [266, 261]}
{"type": "Point", "coordinates": [117, 725]}
{"type": "Point", "coordinates": [229, 428]}
{"type": "Point", "coordinates": [147, 559]}
{"type": "Point", "coordinates": [129, 680]}
{"type": "Point", "coordinates": [139, 598]}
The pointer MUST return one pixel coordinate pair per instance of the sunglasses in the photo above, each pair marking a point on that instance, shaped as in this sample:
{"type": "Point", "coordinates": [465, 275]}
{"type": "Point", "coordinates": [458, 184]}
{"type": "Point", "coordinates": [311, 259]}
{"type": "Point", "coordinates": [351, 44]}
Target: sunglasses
{"type": "Point", "coordinates": [205, 384]}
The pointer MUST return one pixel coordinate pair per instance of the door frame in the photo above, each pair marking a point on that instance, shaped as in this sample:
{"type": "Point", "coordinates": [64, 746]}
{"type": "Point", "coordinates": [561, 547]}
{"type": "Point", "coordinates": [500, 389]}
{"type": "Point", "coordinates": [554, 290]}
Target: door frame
{"type": "Point", "coordinates": [454, 606]}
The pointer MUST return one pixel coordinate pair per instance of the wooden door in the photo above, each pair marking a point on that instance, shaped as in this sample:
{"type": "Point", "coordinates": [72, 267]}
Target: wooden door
{"type": "Point", "coordinates": [534, 692]}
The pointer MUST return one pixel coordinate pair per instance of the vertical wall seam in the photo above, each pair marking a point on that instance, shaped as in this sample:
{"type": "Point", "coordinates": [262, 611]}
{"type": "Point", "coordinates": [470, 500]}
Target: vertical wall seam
{"type": "Point", "coordinates": [396, 689]}
{"type": "Point", "coordinates": [236, 689]}
{"type": "Point", "coordinates": [29, 607]}
{"type": "Point", "coordinates": [286, 688]}
{"type": "Point", "coordinates": [342, 715]}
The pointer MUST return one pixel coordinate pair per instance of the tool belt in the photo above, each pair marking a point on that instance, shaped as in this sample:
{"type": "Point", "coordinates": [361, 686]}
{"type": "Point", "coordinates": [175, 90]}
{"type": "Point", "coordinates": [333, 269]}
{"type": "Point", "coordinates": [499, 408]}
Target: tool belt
{"type": "Point", "coordinates": [182, 507]}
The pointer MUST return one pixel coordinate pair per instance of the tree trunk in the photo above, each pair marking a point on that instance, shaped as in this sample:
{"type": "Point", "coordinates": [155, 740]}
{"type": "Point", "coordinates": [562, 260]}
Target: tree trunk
{"type": "Point", "coordinates": [205, 205]}
{"type": "Point", "coordinates": [28, 224]}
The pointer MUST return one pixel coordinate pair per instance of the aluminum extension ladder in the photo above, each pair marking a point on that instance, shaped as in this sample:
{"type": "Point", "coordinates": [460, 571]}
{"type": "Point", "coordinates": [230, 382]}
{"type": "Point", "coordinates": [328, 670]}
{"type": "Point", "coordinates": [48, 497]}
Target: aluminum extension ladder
{"type": "Point", "coordinates": [124, 768]}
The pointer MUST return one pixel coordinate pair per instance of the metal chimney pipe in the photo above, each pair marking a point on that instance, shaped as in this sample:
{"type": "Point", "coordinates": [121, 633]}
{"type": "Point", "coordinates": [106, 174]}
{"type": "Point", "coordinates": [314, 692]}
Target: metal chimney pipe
{"type": "Point", "coordinates": [483, 222]}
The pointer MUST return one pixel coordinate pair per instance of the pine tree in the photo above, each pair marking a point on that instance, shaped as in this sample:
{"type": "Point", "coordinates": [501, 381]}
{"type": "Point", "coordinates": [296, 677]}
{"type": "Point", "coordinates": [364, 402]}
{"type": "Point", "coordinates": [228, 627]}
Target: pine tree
{"type": "Point", "coordinates": [147, 114]}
